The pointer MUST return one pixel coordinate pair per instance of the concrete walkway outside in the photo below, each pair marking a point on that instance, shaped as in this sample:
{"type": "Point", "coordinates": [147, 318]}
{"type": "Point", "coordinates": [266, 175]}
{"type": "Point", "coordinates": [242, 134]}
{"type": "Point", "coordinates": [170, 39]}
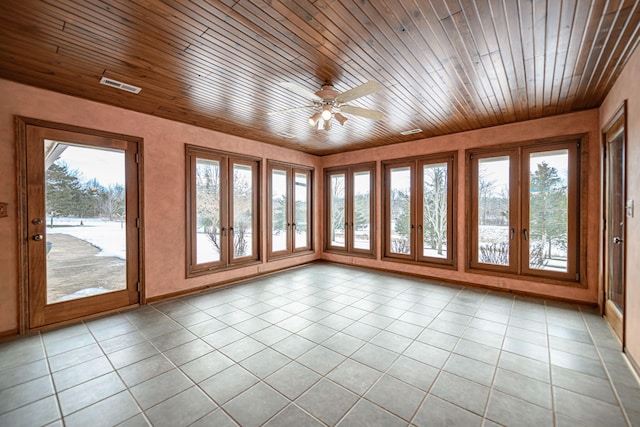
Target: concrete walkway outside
{"type": "Point", "coordinates": [74, 270]}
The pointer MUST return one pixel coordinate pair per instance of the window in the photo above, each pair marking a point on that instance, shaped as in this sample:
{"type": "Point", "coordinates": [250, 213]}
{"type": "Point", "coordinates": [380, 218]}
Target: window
{"type": "Point", "coordinates": [222, 210]}
{"type": "Point", "coordinates": [525, 210]}
{"type": "Point", "coordinates": [289, 209]}
{"type": "Point", "coordinates": [419, 211]}
{"type": "Point", "coordinates": [350, 203]}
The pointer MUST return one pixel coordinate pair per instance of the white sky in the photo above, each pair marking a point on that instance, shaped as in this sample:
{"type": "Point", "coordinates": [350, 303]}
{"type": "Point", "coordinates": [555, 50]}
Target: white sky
{"type": "Point", "coordinates": [105, 165]}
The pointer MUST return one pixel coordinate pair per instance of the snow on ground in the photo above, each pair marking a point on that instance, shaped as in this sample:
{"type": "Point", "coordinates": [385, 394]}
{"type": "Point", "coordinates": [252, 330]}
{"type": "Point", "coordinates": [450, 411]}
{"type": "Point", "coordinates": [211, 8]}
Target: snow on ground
{"type": "Point", "coordinates": [108, 236]}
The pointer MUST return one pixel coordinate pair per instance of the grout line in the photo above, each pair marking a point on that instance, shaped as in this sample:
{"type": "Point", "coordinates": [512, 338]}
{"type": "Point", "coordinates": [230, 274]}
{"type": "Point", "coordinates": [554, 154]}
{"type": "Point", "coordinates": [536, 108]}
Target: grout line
{"type": "Point", "coordinates": [554, 414]}
{"type": "Point", "coordinates": [53, 383]}
{"type": "Point", "coordinates": [604, 366]}
{"type": "Point", "coordinates": [322, 294]}
{"type": "Point", "coordinates": [497, 365]}
{"type": "Point", "coordinates": [127, 389]}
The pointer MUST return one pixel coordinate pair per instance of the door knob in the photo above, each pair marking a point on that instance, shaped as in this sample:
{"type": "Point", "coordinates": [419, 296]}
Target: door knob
{"type": "Point", "coordinates": [617, 240]}
{"type": "Point", "coordinates": [38, 237]}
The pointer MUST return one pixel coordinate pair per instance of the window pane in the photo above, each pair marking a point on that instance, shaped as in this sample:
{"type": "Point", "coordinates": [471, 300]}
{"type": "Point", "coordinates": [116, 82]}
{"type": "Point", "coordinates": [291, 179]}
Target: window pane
{"type": "Point", "coordinates": [278, 210]}
{"type": "Point", "coordinates": [434, 203]}
{"type": "Point", "coordinates": [337, 210]}
{"type": "Point", "coordinates": [86, 234]}
{"type": "Point", "coordinates": [301, 209]}
{"type": "Point", "coordinates": [548, 213]}
{"type": "Point", "coordinates": [207, 211]}
{"type": "Point", "coordinates": [400, 208]}
{"type": "Point", "coordinates": [493, 210]}
{"type": "Point", "coordinates": [242, 211]}
{"type": "Point", "coordinates": [362, 210]}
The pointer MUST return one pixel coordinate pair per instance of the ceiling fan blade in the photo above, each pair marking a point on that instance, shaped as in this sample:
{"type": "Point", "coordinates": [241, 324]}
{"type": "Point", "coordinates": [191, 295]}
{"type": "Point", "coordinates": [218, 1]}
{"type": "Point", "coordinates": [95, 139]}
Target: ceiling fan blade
{"type": "Point", "coordinates": [286, 110]}
{"type": "Point", "coordinates": [363, 90]}
{"type": "Point", "coordinates": [296, 88]}
{"type": "Point", "coordinates": [362, 112]}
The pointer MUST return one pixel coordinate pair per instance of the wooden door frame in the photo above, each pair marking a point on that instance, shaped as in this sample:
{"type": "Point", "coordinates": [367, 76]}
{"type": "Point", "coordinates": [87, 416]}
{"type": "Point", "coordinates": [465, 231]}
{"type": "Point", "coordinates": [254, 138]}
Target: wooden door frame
{"type": "Point", "coordinates": [620, 114]}
{"type": "Point", "coordinates": [21, 124]}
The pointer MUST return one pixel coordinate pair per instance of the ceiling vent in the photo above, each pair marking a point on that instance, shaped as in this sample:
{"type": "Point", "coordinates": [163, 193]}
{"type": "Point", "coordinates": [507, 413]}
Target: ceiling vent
{"type": "Point", "coordinates": [286, 135]}
{"type": "Point", "coordinates": [120, 85]}
{"type": "Point", "coordinates": [410, 131]}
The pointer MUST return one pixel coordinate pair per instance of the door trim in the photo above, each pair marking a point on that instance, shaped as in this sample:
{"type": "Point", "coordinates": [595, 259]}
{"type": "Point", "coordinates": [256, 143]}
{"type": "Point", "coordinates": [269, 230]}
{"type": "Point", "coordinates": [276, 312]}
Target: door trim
{"type": "Point", "coordinates": [21, 124]}
{"type": "Point", "coordinates": [619, 115]}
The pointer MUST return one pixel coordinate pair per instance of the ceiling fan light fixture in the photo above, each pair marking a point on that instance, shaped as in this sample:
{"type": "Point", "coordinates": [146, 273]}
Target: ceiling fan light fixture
{"type": "Point", "coordinates": [326, 113]}
{"type": "Point", "coordinates": [329, 103]}
{"type": "Point", "coordinates": [341, 118]}
{"type": "Point", "coordinates": [313, 120]}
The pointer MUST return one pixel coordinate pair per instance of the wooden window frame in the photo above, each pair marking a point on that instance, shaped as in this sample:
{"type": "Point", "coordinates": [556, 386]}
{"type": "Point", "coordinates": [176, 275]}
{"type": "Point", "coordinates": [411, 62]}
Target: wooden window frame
{"type": "Point", "coordinates": [416, 167]}
{"type": "Point", "coordinates": [349, 173]}
{"type": "Point", "coordinates": [291, 171]}
{"type": "Point", "coordinates": [519, 155]}
{"type": "Point", "coordinates": [226, 161]}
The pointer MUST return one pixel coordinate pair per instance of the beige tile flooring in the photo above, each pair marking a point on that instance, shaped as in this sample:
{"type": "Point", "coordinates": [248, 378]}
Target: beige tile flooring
{"type": "Point", "coordinates": [325, 344]}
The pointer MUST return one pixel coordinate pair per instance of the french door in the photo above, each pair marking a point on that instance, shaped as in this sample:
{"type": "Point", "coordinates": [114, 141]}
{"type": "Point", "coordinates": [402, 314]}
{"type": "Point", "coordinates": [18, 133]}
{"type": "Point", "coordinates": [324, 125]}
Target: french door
{"type": "Point", "coordinates": [79, 223]}
{"type": "Point", "coordinates": [289, 197]}
{"type": "Point", "coordinates": [614, 234]}
{"type": "Point", "coordinates": [350, 199]}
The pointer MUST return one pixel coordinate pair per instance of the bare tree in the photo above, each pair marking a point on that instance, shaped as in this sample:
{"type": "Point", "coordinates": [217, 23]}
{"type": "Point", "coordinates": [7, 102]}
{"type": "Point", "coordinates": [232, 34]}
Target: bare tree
{"type": "Point", "coordinates": [435, 206]}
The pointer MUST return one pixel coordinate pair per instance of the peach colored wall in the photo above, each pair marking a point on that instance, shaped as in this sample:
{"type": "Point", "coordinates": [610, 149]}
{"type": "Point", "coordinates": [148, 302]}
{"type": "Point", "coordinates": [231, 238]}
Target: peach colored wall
{"type": "Point", "coordinates": [628, 87]}
{"type": "Point", "coordinates": [570, 124]}
{"type": "Point", "coordinates": [164, 187]}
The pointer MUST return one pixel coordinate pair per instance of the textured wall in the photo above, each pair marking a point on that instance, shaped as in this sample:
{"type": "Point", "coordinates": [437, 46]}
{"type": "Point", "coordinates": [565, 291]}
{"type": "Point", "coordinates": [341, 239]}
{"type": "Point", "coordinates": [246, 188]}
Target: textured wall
{"type": "Point", "coordinates": [164, 191]}
{"type": "Point", "coordinates": [628, 87]}
{"type": "Point", "coordinates": [570, 124]}
{"type": "Point", "coordinates": [164, 186]}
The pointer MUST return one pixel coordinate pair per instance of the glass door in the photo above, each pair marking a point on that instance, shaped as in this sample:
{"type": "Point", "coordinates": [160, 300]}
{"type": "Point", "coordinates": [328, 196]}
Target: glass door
{"type": "Point", "coordinates": [82, 223]}
{"type": "Point", "coordinates": [614, 244]}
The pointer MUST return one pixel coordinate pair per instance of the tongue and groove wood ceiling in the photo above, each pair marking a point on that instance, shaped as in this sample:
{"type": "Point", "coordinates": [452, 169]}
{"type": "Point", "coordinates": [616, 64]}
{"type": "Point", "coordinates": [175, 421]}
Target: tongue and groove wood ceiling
{"type": "Point", "coordinates": [445, 65]}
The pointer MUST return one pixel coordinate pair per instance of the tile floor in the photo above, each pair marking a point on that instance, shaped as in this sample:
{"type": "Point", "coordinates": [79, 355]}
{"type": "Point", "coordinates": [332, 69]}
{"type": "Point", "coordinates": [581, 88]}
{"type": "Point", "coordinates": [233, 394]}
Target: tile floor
{"type": "Point", "coordinates": [324, 345]}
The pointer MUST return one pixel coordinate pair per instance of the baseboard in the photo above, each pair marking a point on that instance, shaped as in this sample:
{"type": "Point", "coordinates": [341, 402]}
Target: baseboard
{"type": "Point", "coordinates": [221, 284]}
{"type": "Point", "coordinates": [11, 333]}
{"type": "Point", "coordinates": [468, 284]}
{"type": "Point", "coordinates": [634, 365]}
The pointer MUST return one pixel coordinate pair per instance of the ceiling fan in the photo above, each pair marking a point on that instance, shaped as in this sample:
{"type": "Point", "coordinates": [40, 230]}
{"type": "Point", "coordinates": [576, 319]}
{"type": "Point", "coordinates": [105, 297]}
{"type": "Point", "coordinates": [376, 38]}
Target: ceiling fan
{"type": "Point", "coordinates": [330, 103]}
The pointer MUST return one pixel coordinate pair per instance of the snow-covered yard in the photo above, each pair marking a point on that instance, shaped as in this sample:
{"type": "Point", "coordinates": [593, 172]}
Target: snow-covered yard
{"type": "Point", "coordinates": [108, 236]}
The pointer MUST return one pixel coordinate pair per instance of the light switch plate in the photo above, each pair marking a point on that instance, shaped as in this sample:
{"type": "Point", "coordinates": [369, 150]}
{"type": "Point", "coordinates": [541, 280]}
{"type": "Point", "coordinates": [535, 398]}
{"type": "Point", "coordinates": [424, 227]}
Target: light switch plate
{"type": "Point", "coordinates": [4, 209]}
{"type": "Point", "coordinates": [629, 208]}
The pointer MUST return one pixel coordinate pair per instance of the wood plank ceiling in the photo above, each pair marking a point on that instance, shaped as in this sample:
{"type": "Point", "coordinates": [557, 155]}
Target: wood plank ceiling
{"type": "Point", "coordinates": [445, 65]}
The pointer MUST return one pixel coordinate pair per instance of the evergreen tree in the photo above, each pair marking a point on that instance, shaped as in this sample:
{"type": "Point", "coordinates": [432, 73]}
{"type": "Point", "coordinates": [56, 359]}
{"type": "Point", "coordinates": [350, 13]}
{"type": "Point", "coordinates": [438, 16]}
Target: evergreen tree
{"type": "Point", "coordinates": [361, 211]}
{"type": "Point", "coordinates": [65, 195]}
{"type": "Point", "coordinates": [401, 213]}
{"type": "Point", "coordinates": [548, 214]}
{"type": "Point", "coordinates": [279, 214]}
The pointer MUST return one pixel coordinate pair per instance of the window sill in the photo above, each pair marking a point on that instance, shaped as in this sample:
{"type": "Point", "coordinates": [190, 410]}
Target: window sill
{"type": "Point", "coordinates": [289, 255]}
{"type": "Point", "coordinates": [447, 265]}
{"type": "Point", "coordinates": [212, 270]}
{"type": "Point", "coordinates": [348, 253]}
{"type": "Point", "coordinates": [530, 278]}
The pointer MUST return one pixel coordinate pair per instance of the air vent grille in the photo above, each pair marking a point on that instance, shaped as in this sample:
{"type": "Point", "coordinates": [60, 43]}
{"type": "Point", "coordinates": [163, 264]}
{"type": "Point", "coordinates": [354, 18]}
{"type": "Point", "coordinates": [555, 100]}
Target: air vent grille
{"type": "Point", "coordinates": [120, 85]}
{"type": "Point", "coordinates": [286, 135]}
{"type": "Point", "coordinates": [410, 131]}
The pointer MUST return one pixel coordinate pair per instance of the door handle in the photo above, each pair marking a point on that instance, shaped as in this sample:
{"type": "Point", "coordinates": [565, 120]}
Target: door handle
{"type": "Point", "coordinates": [617, 240]}
{"type": "Point", "coordinates": [38, 237]}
